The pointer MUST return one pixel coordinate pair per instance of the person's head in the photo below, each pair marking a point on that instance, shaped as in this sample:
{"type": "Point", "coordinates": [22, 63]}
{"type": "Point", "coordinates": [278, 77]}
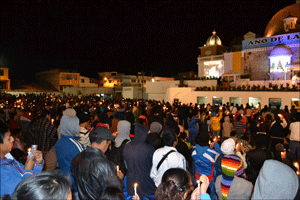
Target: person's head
{"type": "Point", "coordinates": [155, 127]}
{"type": "Point", "coordinates": [276, 180]}
{"type": "Point", "coordinates": [84, 119]}
{"type": "Point", "coordinates": [69, 125]}
{"type": "Point", "coordinates": [154, 140]}
{"type": "Point", "coordinates": [228, 146]}
{"type": "Point", "coordinates": [176, 184]}
{"type": "Point", "coordinates": [277, 119]}
{"type": "Point", "coordinates": [44, 185]}
{"type": "Point", "coordinates": [261, 140]}
{"type": "Point", "coordinates": [112, 193]}
{"type": "Point", "coordinates": [169, 138]}
{"type": "Point", "coordinates": [233, 134]}
{"type": "Point", "coordinates": [6, 139]}
{"type": "Point", "coordinates": [239, 117]}
{"type": "Point", "coordinates": [101, 138]}
{"type": "Point", "coordinates": [202, 139]}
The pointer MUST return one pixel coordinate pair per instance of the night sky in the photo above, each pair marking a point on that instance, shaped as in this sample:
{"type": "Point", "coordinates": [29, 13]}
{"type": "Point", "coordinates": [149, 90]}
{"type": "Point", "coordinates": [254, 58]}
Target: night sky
{"type": "Point", "coordinates": [160, 37]}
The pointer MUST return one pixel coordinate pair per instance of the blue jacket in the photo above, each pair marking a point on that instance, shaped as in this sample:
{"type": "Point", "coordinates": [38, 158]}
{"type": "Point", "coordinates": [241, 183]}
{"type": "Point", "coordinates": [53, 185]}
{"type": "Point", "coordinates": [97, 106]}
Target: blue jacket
{"type": "Point", "coordinates": [66, 148]}
{"type": "Point", "coordinates": [204, 158]}
{"type": "Point", "coordinates": [12, 172]}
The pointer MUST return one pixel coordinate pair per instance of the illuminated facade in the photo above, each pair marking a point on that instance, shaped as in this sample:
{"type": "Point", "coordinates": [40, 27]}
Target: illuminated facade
{"type": "Point", "coordinates": [211, 59]}
{"type": "Point", "coordinates": [275, 56]}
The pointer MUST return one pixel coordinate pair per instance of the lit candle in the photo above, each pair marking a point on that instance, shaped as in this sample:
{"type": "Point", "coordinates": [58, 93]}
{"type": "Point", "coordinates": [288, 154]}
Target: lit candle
{"type": "Point", "coordinates": [28, 151]}
{"type": "Point", "coordinates": [296, 165]}
{"type": "Point", "coordinates": [198, 186]}
{"type": "Point", "coordinates": [135, 188]}
{"type": "Point", "coordinates": [52, 121]}
{"type": "Point", "coordinates": [117, 167]}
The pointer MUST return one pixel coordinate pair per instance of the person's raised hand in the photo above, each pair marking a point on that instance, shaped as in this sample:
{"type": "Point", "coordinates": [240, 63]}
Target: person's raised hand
{"type": "Point", "coordinates": [38, 156]}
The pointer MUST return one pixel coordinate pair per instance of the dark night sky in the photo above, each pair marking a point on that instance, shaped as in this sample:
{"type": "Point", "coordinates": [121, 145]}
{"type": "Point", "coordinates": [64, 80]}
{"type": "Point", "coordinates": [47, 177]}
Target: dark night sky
{"type": "Point", "coordinates": [161, 37]}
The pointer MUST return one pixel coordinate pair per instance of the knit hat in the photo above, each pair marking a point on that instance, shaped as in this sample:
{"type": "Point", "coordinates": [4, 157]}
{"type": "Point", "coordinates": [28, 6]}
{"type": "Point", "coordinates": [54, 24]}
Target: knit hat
{"type": "Point", "coordinates": [231, 166]}
{"type": "Point", "coordinates": [155, 127]}
{"type": "Point", "coordinates": [276, 180]}
{"type": "Point", "coordinates": [228, 146]}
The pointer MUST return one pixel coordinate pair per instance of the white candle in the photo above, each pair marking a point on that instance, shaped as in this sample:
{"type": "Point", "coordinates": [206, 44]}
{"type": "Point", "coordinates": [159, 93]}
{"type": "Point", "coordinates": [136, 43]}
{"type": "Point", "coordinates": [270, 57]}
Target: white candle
{"type": "Point", "coordinates": [117, 167]}
{"type": "Point", "coordinates": [135, 188]}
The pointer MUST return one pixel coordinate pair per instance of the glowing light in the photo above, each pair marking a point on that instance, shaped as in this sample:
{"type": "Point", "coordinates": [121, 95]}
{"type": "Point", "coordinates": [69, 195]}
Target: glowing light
{"type": "Point", "coordinates": [278, 63]}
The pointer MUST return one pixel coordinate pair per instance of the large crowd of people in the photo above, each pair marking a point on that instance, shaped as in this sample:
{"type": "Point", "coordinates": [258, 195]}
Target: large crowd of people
{"type": "Point", "coordinates": [87, 147]}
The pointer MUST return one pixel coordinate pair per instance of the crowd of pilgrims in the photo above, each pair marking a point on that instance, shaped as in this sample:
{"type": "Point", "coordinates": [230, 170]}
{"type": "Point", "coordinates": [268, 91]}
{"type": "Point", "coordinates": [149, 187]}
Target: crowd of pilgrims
{"type": "Point", "coordinates": [92, 148]}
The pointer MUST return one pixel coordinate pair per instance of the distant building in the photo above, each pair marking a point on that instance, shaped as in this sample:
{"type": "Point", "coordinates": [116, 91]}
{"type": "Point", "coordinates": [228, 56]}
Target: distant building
{"type": "Point", "coordinates": [4, 79]}
{"type": "Point", "coordinates": [110, 79]}
{"type": "Point", "coordinates": [87, 82]}
{"type": "Point", "coordinates": [59, 78]}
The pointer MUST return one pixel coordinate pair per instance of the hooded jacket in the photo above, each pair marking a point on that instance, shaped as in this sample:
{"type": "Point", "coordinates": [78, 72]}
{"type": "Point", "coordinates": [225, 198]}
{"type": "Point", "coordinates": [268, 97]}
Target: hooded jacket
{"type": "Point", "coordinates": [123, 132]}
{"type": "Point", "coordinates": [115, 153]}
{"type": "Point", "coordinates": [227, 127]}
{"type": "Point", "coordinates": [276, 180]}
{"type": "Point", "coordinates": [68, 146]}
{"type": "Point", "coordinates": [138, 158]}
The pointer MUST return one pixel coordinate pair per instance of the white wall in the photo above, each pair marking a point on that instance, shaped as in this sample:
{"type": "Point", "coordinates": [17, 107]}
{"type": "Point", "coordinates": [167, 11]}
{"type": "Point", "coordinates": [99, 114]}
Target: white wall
{"type": "Point", "coordinates": [188, 95]}
{"type": "Point", "coordinates": [88, 91]}
{"type": "Point", "coordinates": [127, 92]}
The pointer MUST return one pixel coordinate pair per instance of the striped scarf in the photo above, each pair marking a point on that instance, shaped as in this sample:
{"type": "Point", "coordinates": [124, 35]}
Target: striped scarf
{"type": "Point", "coordinates": [231, 166]}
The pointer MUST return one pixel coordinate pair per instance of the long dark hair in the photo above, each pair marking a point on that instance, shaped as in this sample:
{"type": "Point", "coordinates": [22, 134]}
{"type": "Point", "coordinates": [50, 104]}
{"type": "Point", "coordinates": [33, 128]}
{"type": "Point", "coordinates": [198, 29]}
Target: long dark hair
{"type": "Point", "coordinates": [175, 183]}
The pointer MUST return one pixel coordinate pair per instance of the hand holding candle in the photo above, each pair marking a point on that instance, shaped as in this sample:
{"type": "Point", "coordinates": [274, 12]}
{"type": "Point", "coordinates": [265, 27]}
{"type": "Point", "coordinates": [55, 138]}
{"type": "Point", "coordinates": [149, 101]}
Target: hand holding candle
{"type": "Point", "coordinates": [198, 186]}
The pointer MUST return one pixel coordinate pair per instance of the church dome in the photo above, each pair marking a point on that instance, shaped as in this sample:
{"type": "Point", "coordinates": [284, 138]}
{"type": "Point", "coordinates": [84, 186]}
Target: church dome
{"type": "Point", "coordinates": [276, 24]}
{"type": "Point", "coordinates": [213, 40]}
{"type": "Point", "coordinates": [281, 50]}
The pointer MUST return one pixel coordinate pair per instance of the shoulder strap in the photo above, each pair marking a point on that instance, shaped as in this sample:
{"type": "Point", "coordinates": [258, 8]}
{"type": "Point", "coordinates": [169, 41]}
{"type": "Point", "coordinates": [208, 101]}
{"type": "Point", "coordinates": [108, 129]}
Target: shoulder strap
{"type": "Point", "coordinates": [163, 158]}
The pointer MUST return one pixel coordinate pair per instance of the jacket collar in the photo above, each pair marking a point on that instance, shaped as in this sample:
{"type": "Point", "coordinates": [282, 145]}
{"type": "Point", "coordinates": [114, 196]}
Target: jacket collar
{"type": "Point", "coordinates": [73, 137]}
{"type": "Point", "coordinates": [95, 150]}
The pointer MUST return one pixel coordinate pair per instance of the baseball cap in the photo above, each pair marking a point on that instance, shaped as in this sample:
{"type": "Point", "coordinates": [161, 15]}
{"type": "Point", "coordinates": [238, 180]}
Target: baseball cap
{"type": "Point", "coordinates": [102, 133]}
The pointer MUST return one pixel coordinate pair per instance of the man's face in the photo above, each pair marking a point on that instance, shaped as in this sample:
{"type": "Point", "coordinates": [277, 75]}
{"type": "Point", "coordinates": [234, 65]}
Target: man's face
{"type": "Point", "coordinates": [7, 144]}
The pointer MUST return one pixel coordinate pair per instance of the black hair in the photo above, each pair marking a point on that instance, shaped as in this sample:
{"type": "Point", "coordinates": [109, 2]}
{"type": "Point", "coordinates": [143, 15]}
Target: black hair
{"type": "Point", "coordinates": [112, 193]}
{"type": "Point", "coordinates": [96, 137]}
{"type": "Point", "coordinates": [154, 140]}
{"type": "Point", "coordinates": [233, 133]}
{"type": "Point", "coordinates": [169, 137]}
{"type": "Point", "coordinates": [3, 130]}
{"type": "Point", "coordinates": [174, 184]}
{"type": "Point", "coordinates": [16, 132]}
{"type": "Point", "coordinates": [44, 185]}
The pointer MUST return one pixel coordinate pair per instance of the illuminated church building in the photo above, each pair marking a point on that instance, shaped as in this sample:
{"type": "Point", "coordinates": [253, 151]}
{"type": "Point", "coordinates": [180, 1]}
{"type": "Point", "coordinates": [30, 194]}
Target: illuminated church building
{"type": "Point", "coordinates": [272, 57]}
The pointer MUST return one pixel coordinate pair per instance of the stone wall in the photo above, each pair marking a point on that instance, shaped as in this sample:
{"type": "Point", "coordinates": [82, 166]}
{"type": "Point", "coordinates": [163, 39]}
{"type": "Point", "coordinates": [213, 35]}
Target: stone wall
{"type": "Point", "coordinates": [257, 65]}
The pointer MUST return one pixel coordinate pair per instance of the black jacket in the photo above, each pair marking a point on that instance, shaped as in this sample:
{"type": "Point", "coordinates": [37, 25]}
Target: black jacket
{"type": "Point", "coordinates": [93, 173]}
